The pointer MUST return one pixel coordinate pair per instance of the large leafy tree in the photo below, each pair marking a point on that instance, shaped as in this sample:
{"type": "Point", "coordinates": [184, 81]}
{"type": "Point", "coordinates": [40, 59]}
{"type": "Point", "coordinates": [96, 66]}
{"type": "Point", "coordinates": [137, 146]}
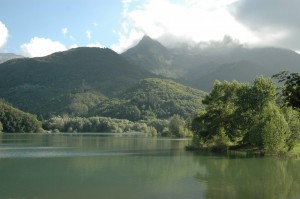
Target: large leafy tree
{"type": "Point", "coordinates": [218, 117]}
{"type": "Point", "coordinates": [246, 115]}
{"type": "Point", "coordinates": [291, 88]}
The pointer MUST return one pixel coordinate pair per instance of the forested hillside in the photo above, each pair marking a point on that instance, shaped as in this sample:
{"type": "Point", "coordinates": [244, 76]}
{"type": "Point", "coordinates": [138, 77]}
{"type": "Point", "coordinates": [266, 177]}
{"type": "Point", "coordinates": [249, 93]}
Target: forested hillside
{"type": "Point", "coordinates": [46, 85]}
{"type": "Point", "coordinates": [13, 120]}
{"type": "Point", "coordinates": [153, 98]}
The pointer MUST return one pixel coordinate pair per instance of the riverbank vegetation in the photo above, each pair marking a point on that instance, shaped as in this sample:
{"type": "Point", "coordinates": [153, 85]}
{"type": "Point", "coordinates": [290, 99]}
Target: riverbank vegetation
{"type": "Point", "coordinates": [173, 127]}
{"type": "Point", "coordinates": [244, 116]}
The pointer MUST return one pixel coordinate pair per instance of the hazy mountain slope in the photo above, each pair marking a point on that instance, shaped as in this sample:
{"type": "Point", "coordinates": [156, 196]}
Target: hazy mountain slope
{"type": "Point", "coordinates": [8, 56]}
{"type": "Point", "coordinates": [152, 56]}
{"type": "Point", "coordinates": [199, 65]}
{"type": "Point", "coordinates": [243, 71]}
{"type": "Point", "coordinates": [30, 84]}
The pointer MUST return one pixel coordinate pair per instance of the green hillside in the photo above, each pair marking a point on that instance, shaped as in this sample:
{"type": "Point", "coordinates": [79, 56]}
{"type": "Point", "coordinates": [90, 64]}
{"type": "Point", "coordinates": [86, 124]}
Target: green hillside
{"type": "Point", "coordinates": [44, 85]}
{"type": "Point", "coordinates": [13, 120]}
{"type": "Point", "coordinates": [153, 98]}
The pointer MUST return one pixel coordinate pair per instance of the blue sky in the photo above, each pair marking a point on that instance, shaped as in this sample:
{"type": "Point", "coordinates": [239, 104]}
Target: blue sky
{"type": "Point", "coordinates": [47, 18]}
{"type": "Point", "coordinates": [40, 27]}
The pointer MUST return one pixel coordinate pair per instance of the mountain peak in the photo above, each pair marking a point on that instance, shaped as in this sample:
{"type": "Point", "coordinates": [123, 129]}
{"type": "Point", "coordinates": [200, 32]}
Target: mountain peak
{"type": "Point", "coordinates": [146, 38]}
{"type": "Point", "coordinates": [147, 41]}
{"type": "Point", "coordinates": [147, 45]}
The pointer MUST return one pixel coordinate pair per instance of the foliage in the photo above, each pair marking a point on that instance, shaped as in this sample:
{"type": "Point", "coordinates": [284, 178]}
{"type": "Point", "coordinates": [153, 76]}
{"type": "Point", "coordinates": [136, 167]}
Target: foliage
{"type": "Point", "coordinates": [13, 120]}
{"type": "Point", "coordinates": [177, 127]}
{"type": "Point", "coordinates": [243, 114]}
{"type": "Point", "coordinates": [293, 119]}
{"type": "Point", "coordinates": [270, 130]}
{"type": "Point", "coordinates": [96, 124]}
{"type": "Point", "coordinates": [290, 91]}
{"type": "Point", "coordinates": [219, 112]}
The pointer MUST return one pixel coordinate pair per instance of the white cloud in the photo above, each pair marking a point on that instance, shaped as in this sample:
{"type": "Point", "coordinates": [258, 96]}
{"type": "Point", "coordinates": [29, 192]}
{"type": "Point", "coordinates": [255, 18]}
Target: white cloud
{"type": "Point", "coordinates": [64, 31]}
{"type": "Point", "coordinates": [39, 47]}
{"type": "Point", "coordinates": [3, 34]}
{"type": "Point", "coordinates": [98, 45]}
{"type": "Point", "coordinates": [196, 20]}
{"type": "Point", "coordinates": [88, 34]}
{"type": "Point", "coordinates": [127, 40]}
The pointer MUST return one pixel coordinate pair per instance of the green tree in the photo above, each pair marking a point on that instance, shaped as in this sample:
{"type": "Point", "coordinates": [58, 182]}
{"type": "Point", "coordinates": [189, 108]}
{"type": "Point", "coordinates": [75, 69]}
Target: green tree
{"type": "Point", "coordinates": [242, 114]}
{"type": "Point", "coordinates": [1, 127]}
{"type": "Point", "coordinates": [177, 127]}
{"type": "Point", "coordinates": [293, 119]}
{"type": "Point", "coordinates": [290, 92]}
{"type": "Point", "coordinates": [251, 102]}
{"type": "Point", "coordinates": [270, 130]}
{"type": "Point", "coordinates": [219, 114]}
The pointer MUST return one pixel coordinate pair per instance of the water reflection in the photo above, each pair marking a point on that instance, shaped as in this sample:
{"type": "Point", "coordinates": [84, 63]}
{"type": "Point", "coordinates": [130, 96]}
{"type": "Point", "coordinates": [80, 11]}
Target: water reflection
{"type": "Point", "coordinates": [268, 178]}
{"type": "Point", "coordinates": [96, 166]}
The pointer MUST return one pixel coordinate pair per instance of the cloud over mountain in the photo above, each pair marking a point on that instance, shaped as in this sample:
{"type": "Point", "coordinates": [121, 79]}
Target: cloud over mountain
{"type": "Point", "coordinates": [3, 34]}
{"type": "Point", "coordinates": [38, 47]}
{"type": "Point", "coordinates": [197, 21]}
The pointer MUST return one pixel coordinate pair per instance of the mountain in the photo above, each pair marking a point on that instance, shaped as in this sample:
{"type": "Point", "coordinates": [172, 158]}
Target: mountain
{"type": "Point", "coordinates": [47, 84]}
{"type": "Point", "coordinates": [8, 56]}
{"type": "Point", "coordinates": [153, 98]}
{"type": "Point", "coordinates": [152, 56]}
{"type": "Point", "coordinates": [200, 65]}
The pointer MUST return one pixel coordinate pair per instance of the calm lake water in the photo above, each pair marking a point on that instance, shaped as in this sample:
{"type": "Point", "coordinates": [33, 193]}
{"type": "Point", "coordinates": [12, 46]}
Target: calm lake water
{"type": "Point", "coordinates": [69, 166]}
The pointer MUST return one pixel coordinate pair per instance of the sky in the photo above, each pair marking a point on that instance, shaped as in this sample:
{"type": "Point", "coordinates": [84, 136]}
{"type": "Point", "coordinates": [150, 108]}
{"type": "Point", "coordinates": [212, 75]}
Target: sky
{"type": "Point", "coordinates": [35, 28]}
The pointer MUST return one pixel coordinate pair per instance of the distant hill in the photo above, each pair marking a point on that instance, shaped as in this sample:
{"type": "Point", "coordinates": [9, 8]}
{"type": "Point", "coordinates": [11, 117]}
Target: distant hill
{"type": "Point", "coordinates": [39, 84]}
{"type": "Point", "coordinates": [8, 56]}
{"type": "Point", "coordinates": [199, 66]}
{"type": "Point", "coordinates": [153, 98]}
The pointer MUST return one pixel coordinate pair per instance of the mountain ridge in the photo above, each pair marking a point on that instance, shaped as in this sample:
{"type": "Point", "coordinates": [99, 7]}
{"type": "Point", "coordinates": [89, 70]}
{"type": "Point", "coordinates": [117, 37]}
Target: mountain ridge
{"type": "Point", "coordinates": [8, 56]}
{"type": "Point", "coordinates": [29, 83]}
{"type": "Point", "coordinates": [191, 65]}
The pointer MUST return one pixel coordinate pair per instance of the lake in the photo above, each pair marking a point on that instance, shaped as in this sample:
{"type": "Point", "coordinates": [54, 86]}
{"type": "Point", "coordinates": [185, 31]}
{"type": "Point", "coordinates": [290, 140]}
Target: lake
{"type": "Point", "coordinates": [77, 166]}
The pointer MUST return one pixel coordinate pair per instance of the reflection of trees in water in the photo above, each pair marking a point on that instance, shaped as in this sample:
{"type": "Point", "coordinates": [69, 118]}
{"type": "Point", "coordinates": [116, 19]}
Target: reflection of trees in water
{"type": "Point", "coordinates": [268, 178]}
